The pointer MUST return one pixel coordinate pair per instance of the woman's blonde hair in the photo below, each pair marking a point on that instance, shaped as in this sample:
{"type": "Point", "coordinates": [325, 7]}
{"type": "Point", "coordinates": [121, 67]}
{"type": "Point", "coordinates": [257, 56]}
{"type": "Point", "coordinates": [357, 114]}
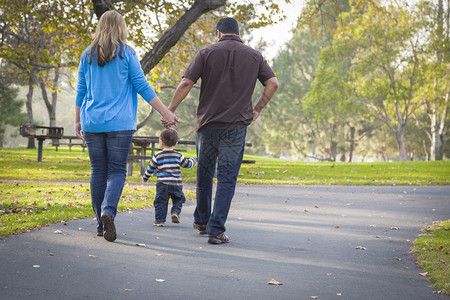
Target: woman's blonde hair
{"type": "Point", "coordinates": [111, 32]}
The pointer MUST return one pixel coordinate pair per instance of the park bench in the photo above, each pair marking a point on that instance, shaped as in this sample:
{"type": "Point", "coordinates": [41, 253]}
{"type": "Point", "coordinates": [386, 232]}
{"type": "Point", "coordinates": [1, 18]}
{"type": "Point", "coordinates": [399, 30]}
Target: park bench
{"type": "Point", "coordinates": [69, 140]}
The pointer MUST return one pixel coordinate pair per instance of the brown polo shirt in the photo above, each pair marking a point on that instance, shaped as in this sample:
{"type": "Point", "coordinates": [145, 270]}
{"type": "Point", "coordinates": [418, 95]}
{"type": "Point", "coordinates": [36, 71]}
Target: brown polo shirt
{"type": "Point", "coordinates": [228, 70]}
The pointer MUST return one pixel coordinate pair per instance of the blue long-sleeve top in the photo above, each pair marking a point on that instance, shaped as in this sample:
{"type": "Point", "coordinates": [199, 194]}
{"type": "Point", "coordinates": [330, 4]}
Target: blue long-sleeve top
{"type": "Point", "coordinates": [108, 95]}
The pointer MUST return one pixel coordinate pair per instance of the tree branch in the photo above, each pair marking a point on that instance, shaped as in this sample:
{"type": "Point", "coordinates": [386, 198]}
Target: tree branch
{"type": "Point", "coordinates": [173, 34]}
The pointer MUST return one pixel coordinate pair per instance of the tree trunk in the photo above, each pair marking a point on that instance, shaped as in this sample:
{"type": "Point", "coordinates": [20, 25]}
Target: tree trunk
{"type": "Point", "coordinates": [147, 117]}
{"type": "Point", "coordinates": [31, 144]}
{"type": "Point", "coordinates": [352, 144]}
{"type": "Point", "coordinates": [426, 150]}
{"type": "Point", "coordinates": [54, 98]}
{"type": "Point", "coordinates": [438, 131]}
{"type": "Point", "coordinates": [333, 151]}
{"type": "Point", "coordinates": [437, 123]}
{"type": "Point", "coordinates": [401, 144]}
{"type": "Point", "coordinates": [51, 106]}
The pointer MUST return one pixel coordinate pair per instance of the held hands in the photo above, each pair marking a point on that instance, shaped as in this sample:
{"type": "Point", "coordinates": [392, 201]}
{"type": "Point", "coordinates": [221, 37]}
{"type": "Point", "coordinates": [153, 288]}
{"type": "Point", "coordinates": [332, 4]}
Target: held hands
{"type": "Point", "coordinates": [169, 119]}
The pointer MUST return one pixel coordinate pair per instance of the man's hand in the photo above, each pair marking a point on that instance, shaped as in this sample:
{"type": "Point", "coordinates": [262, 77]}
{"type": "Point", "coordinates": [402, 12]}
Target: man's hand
{"type": "Point", "coordinates": [169, 119]}
{"type": "Point", "coordinates": [255, 115]}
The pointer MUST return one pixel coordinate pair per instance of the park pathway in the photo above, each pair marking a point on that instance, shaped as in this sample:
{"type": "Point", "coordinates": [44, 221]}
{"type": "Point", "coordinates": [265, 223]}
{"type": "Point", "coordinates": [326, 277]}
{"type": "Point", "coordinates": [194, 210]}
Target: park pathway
{"type": "Point", "coordinates": [320, 242]}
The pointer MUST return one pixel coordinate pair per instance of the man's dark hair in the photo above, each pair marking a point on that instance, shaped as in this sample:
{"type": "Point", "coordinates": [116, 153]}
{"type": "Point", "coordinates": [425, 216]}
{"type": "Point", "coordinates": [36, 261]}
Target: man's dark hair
{"type": "Point", "coordinates": [228, 25]}
{"type": "Point", "coordinates": [169, 137]}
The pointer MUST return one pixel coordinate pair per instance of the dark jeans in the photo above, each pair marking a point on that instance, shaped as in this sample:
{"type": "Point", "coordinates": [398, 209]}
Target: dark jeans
{"type": "Point", "coordinates": [108, 152]}
{"type": "Point", "coordinates": [161, 203]}
{"type": "Point", "coordinates": [226, 148]}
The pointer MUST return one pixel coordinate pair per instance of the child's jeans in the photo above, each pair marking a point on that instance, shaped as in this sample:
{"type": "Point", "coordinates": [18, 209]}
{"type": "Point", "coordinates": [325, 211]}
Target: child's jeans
{"type": "Point", "coordinates": [163, 193]}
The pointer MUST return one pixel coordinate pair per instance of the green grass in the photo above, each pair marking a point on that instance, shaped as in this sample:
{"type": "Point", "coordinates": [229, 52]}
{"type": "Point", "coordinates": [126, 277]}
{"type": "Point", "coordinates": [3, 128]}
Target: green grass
{"type": "Point", "coordinates": [30, 205]}
{"type": "Point", "coordinates": [20, 163]}
{"type": "Point", "coordinates": [433, 249]}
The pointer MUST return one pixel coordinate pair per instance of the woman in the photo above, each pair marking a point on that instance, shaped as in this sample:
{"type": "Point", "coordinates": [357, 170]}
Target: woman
{"type": "Point", "coordinates": [109, 78]}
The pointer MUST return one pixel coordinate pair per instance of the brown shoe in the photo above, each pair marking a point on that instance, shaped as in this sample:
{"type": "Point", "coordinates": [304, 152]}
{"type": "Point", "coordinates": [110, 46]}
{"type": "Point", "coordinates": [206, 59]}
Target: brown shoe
{"type": "Point", "coordinates": [158, 224]}
{"type": "Point", "coordinates": [218, 239]}
{"type": "Point", "coordinates": [200, 227]}
{"type": "Point", "coordinates": [175, 217]}
{"type": "Point", "coordinates": [109, 229]}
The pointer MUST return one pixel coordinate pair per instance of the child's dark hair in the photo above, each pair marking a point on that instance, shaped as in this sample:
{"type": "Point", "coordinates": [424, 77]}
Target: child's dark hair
{"type": "Point", "coordinates": [169, 137]}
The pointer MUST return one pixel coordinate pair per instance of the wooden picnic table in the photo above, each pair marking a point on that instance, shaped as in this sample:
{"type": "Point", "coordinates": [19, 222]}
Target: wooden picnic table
{"type": "Point", "coordinates": [41, 133]}
{"type": "Point", "coordinates": [143, 143]}
{"type": "Point", "coordinates": [69, 140]}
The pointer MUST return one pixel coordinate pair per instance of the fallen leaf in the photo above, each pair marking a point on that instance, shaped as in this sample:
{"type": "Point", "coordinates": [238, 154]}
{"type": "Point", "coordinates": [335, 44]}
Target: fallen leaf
{"type": "Point", "coordinates": [274, 282]}
{"type": "Point", "coordinates": [315, 206]}
{"type": "Point", "coordinates": [314, 297]}
{"type": "Point", "coordinates": [231, 271]}
{"type": "Point", "coordinates": [80, 229]}
{"type": "Point", "coordinates": [339, 294]}
{"type": "Point", "coordinates": [336, 226]}
{"type": "Point", "coordinates": [92, 256]}
{"type": "Point", "coordinates": [329, 274]}
{"type": "Point", "coordinates": [423, 274]}
{"type": "Point", "coordinates": [51, 254]}
{"type": "Point", "coordinates": [378, 237]}
{"type": "Point", "coordinates": [140, 245]}
{"type": "Point", "coordinates": [158, 254]}
{"type": "Point", "coordinates": [36, 266]}
{"type": "Point", "coordinates": [360, 248]}
{"type": "Point", "coordinates": [127, 290]}
{"type": "Point", "coordinates": [57, 231]}
{"type": "Point", "coordinates": [306, 210]}
{"type": "Point", "coordinates": [395, 228]}
{"type": "Point", "coordinates": [159, 280]}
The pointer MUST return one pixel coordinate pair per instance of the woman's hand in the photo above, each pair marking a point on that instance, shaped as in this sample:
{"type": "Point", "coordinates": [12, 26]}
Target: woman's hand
{"type": "Point", "coordinates": [169, 119]}
{"type": "Point", "coordinates": [78, 131]}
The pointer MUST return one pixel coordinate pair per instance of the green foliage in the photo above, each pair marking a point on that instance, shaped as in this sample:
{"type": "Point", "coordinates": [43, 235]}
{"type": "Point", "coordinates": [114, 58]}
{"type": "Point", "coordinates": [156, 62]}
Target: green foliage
{"type": "Point", "coordinates": [10, 109]}
{"type": "Point", "coordinates": [44, 34]}
{"type": "Point", "coordinates": [433, 249]}
{"type": "Point", "coordinates": [371, 69]}
{"type": "Point", "coordinates": [287, 130]}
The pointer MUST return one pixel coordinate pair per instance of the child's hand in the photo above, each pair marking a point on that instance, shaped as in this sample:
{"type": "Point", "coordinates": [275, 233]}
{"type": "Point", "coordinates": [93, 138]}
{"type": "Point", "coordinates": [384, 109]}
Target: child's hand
{"type": "Point", "coordinates": [194, 159]}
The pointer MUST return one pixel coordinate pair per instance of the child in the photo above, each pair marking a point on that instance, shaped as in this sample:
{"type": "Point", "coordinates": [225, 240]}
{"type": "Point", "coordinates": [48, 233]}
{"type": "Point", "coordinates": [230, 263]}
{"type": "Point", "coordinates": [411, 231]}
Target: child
{"type": "Point", "coordinates": [167, 164]}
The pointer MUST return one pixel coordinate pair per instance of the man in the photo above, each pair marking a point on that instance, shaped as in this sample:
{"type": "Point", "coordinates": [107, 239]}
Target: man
{"type": "Point", "coordinates": [228, 71]}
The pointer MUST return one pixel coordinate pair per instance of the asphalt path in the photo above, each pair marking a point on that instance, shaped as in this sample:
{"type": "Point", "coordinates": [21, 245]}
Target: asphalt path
{"type": "Point", "coordinates": [320, 242]}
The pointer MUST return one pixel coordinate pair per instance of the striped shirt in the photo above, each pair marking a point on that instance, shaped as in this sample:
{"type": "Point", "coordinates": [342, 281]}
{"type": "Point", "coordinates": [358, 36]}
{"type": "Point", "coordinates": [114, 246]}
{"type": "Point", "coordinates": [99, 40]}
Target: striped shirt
{"type": "Point", "coordinates": [167, 164]}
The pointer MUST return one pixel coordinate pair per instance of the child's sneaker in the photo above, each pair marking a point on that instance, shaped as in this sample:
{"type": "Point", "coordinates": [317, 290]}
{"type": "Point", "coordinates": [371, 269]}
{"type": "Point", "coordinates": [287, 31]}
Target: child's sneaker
{"type": "Point", "coordinates": [175, 217]}
{"type": "Point", "coordinates": [158, 224]}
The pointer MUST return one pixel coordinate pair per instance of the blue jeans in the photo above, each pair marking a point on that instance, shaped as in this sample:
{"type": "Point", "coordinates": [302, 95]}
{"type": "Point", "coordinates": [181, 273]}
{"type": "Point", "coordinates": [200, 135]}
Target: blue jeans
{"type": "Point", "coordinates": [161, 203]}
{"type": "Point", "coordinates": [224, 147]}
{"type": "Point", "coordinates": [108, 152]}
